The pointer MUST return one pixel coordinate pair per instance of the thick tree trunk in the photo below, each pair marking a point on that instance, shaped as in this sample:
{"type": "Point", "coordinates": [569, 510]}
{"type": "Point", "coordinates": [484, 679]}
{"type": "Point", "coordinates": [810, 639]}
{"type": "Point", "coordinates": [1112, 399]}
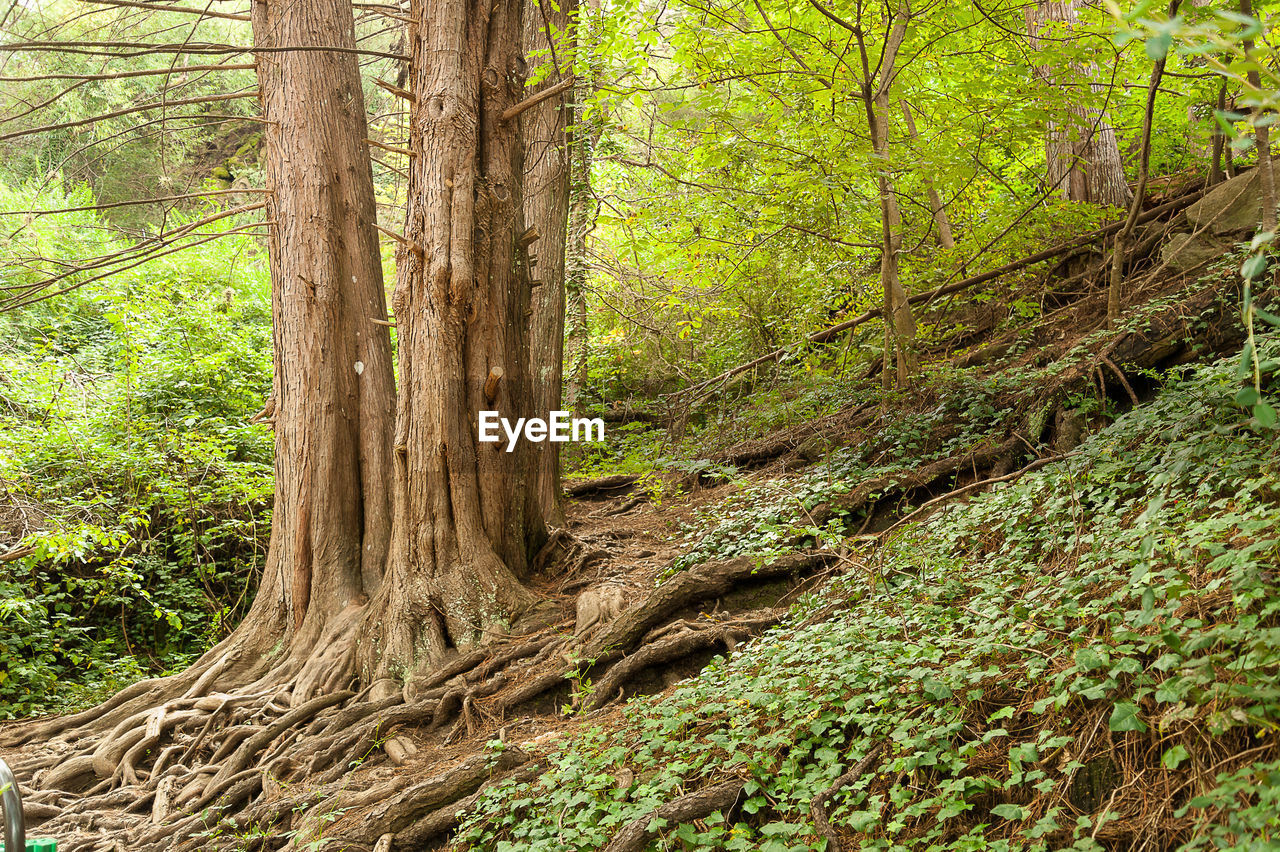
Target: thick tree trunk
{"type": "Point", "coordinates": [1082, 156]}
{"type": "Point", "coordinates": [333, 390]}
{"type": "Point", "coordinates": [546, 208]}
{"type": "Point", "coordinates": [462, 532]}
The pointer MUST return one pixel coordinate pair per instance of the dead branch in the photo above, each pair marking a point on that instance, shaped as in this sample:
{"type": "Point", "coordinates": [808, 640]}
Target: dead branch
{"type": "Point", "coordinates": [635, 835]}
{"type": "Point", "coordinates": [818, 807]}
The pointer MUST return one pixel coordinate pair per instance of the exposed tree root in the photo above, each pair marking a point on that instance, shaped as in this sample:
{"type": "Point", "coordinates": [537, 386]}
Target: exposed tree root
{"type": "Point", "coordinates": [177, 765]}
{"type": "Point", "coordinates": [246, 751]}
{"type": "Point", "coordinates": [635, 835]}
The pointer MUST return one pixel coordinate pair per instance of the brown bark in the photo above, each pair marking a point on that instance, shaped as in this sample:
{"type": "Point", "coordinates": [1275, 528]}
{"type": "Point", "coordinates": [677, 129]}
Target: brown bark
{"type": "Point", "coordinates": [1082, 156]}
{"type": "Point", "coordinates": [463, 532]}
{"type": "Point", "coordinates": [546, 208]}
{"type": "Point", "coordinates": [333, 388]}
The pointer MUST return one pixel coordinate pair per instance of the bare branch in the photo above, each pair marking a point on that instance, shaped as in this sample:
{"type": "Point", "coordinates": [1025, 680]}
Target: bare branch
{"type": "Point", "coordinates": [127, 111]}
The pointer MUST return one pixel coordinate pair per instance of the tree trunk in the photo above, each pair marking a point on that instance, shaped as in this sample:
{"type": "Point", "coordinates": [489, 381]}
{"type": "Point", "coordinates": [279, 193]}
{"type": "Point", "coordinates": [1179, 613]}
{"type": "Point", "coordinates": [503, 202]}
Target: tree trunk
{"type": "Point", "coordinates": [1216, 175]}
{"type": "Point", "coordinates": [333, 391]}
{"type": "Point", "coordinates": [463, 530]}
{"type": "Point", "coordinates": [582, 209]}
{"type": "Point", "coordinates": [1114, 291]}
{"type": "Point", "coordinates": [546, 208]}
{"type": "Point", "coordinates": [895, 298]}
{"type": "Point", "coordinates": [940, 219]}
{"type": "Point", "coordinates": [1261, 138]}
{"type": "Point", "coordinates": [1082, 156]}
{"type": "Point", "coordinates": [900, 326]}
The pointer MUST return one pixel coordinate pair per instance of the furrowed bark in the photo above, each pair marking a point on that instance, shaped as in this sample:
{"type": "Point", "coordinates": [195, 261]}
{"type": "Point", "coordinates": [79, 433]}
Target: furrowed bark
{"type": "Point", "coordinates": [547, 31]}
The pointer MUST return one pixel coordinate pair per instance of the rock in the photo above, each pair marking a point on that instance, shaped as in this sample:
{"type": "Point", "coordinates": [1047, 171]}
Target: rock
{"type": "Point", "coordinates": [1230, 207]}
{"type": "Point", "coordinates": [814, 448]}
{"type": "Point", "coordinates": [1184, 252]}
{"type": "Point", "coordinates": [1068, 427]}
{"type": "Point", "coordinates": [599, 606]}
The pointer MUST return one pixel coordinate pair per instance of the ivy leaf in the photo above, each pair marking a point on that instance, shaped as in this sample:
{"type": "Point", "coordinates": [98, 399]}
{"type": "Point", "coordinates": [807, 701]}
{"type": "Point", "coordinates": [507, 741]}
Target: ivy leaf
{"type": "Point", "coordinates": [1008, 811]}
{"type": "Point", "coordinates": [1124, 717]}
{"type": "Point", "coordinates": [1174, 757]}
{"type": "Point", "coordinates": [936, 689]}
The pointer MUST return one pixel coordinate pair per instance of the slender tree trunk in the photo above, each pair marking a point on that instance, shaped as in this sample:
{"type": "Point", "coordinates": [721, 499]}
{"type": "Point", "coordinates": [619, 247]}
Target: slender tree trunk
{"type": "Point", "coordinates": [333, 391]}
{"type": "Point", "coordinates": [940, 219]}
{"type": "Point", "coordinates": [1262, 139]}
{"type": "Point", "coordinates": [1082, 155]}
{"type": "Point", "coordinates": [1216, 175]}
{"type": "Point", "coordinates": [899, 309]}
{"type": "Point", "coordinates": [463, 532]}
{"type": "Point", "coordinates": [582, 208]}
{"type": "Point", "coordinates": [546, 209]}
{"type": "Point", "coordinates": [1114, 292]}
{"type": "Point", "coordinates": [900, 326]}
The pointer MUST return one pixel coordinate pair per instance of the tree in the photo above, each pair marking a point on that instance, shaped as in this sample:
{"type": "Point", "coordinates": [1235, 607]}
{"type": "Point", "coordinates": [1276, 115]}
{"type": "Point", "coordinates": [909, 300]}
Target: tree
{"type": "Point", "coordinates": [940, 218]}
{"type": "Point", "coordinates": [547, 167]}
{"type": "Point", "coordinates": [466, 521]}
{"type": "Point", "coordinates": [1082, 156]}
{"type": "Point", "coordinates": [876, 83]}
{"type": "Point", "coordinates": [334, 395]}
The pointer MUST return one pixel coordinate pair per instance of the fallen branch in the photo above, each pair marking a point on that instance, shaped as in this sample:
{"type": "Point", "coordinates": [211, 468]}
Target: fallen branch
{"type": "Point", "coordinates": [972, 486]}
{"type": "Point", "coordinates": [635, 835]}
{"type": "Point", "coordinates": [818, 807]}
{"type": "Point", "coordinates": [604, 484]}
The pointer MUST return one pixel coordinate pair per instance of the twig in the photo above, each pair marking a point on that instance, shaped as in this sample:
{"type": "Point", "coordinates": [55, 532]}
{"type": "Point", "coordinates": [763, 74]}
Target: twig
{"type": "Point", "coordinates": [533, 100]}
{"type": "Point", "coordinates": [818, 807]}
{"type": "Point", "coordinates": [973, 486]}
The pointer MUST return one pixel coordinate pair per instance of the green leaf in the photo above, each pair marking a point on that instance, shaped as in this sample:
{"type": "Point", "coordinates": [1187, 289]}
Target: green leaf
{"type": "Point", "coordinates": [1266, 316]}
{"type": "Point", "coordinates": [1174, 757]}
{"type": "Point", "coordinates": [1254, 266]}
{"type": "Point", "coordinates": [1246, 397]}
{"type": "Point", "coordinates": [1124, 717]}
{"type": "Point", "coordinates": [1008, 811]}
{"type": "Point", "coordinates": [935, 689]}
{"type": "Point", "coordinates": [1158, 46]}
{"type": "Point", "coordinates": [1246, 360]}
{"type": "Point", "coordinates": [1265, 414]}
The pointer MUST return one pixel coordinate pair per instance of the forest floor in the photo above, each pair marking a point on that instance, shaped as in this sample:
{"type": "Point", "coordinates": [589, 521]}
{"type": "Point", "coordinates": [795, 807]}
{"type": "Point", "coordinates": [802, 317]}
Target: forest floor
{"type": "Point", "coordinates": [997, 611]}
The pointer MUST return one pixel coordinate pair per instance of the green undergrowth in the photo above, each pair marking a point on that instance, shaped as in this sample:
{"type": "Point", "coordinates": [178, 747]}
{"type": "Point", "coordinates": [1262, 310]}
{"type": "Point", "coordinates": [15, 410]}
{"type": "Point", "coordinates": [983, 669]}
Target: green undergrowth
{"type": "Point", "coordinates": [130, 474]}
{"type": "Point", "coordinates": [1085, 658]}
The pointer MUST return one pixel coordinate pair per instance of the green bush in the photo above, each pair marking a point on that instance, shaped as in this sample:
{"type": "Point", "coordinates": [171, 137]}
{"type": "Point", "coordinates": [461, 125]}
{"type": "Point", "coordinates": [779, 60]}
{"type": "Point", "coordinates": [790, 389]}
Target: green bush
{"type": "Point", "coordinates": [129, 467]}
